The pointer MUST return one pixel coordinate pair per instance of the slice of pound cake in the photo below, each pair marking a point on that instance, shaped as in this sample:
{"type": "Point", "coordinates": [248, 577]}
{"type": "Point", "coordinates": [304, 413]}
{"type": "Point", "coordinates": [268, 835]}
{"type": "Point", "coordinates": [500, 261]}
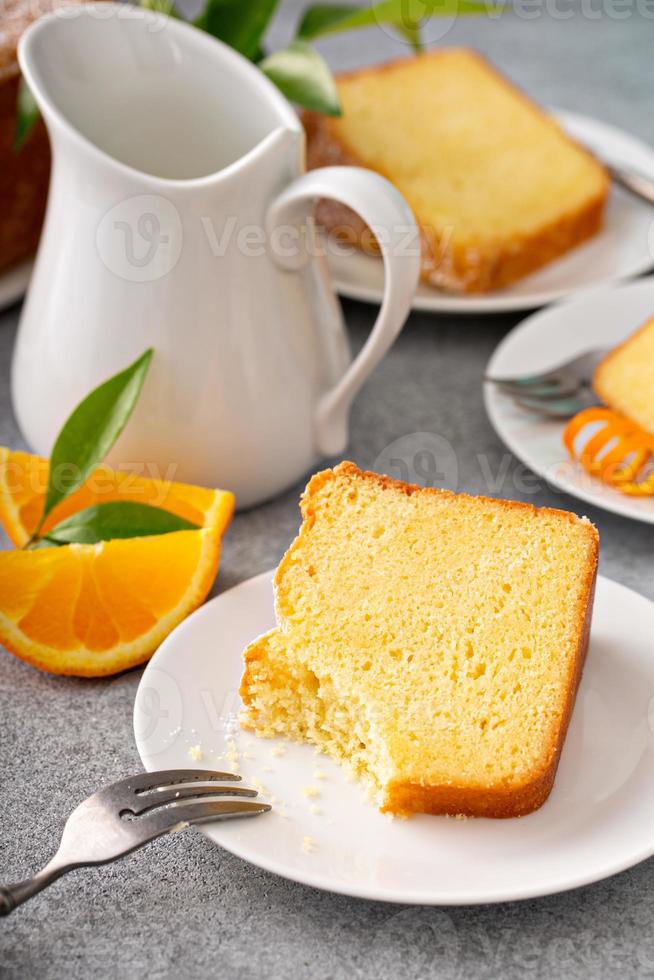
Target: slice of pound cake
{"type": "Point", "coordinates": [431, 642]}
{"type": "Point", "coordinates": [624, 380]}
{"type": "Point", "coordinates": [497, 188]}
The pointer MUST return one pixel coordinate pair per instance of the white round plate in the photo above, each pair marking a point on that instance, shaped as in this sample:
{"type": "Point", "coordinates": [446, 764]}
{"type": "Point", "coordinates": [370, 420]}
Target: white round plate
{"type": "Point", "coordinates": [621, 250]}
{"type": "Point", "coordinates": [598, 820]}
{"type": "Point", "coordinates": [601, 319]}
{"type": "Point", "coordinates": [13, 284]}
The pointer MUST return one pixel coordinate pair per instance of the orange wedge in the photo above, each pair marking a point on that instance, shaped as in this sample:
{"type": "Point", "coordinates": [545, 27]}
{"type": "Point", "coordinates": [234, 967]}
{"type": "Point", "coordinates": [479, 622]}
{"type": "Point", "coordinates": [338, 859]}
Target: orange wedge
{"type": "Point", "coordinates": [93, 610]}
{"type": "Point", "coordinates": [24, 478]}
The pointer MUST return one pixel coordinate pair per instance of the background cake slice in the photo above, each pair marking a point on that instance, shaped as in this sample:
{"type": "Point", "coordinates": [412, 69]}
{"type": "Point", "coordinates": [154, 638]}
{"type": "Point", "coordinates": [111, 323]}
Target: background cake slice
{"type": "Point", "coordinates": [624, 380]}
{"type": "Point", "coordinates": [431, 642]}
{"type": "Point", "coordinates": [496, 186]}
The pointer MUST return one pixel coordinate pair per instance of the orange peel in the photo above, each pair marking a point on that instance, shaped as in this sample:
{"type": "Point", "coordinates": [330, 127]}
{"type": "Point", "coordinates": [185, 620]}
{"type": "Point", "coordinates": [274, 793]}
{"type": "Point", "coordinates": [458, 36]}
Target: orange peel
{"type": "Point", "coordinates": [614, 449]}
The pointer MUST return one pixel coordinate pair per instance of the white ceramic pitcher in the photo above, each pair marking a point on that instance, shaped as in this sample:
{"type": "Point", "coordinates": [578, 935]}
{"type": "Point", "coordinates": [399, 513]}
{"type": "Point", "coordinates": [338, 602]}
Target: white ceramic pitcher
{"type": "Point", "coordinates": [177, 219]}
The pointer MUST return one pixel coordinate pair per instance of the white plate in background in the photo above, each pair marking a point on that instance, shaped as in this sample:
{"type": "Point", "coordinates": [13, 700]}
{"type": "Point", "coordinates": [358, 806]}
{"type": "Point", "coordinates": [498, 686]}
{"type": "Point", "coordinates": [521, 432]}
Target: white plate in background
{"type": "Point", "coordinates": [598, 820]}
{"type": "Point", "coordinates": [600, 319]}
{"type": "Point", "coordinates": [620, 251]}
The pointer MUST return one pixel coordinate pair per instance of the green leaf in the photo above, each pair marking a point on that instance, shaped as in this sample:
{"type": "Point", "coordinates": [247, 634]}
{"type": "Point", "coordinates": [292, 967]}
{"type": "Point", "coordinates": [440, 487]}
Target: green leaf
{"type": "Point", "coordinates": [162, 7]}
{"type": "Point", "coordinates": [91, 430]}
{"type": "Point", "coordinates": [325, 18]}
{"type": "Point", "coordinates": [27, 114]}
{"type": "Point", "coordinates": [117, 519]}
{"type": "Point", "coordinates": [302, 75]}
{"type": "Point", "coordinates": [406, 15]}
{"type": "Point", "coordinates": [239, 23]}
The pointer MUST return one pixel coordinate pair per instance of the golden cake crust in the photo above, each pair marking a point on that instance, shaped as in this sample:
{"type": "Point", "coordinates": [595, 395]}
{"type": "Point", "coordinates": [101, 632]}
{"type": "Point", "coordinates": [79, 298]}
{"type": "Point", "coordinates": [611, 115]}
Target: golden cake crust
{"type": "Point", "coordinates": [446, 264]}
{"type": "Point", "coordinates": [404, 798]}
{"type": "Point", "coordinates": [603, 387]}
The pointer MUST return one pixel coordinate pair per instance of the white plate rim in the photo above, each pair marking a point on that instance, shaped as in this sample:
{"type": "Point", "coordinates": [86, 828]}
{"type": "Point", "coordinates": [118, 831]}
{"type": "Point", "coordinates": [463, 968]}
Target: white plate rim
{"type": "Point", "coordinates": [437, 898]}
{"type": "Point", "coordinates": [614, 503]}
{"type": "Point", "coordinates": [431, 300]}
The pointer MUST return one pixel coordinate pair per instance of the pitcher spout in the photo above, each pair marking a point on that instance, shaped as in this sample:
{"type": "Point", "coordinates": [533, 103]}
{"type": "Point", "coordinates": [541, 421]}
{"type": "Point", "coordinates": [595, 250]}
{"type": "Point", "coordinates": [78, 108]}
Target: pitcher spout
{"type": "Point", "coordinates": [152, 95]}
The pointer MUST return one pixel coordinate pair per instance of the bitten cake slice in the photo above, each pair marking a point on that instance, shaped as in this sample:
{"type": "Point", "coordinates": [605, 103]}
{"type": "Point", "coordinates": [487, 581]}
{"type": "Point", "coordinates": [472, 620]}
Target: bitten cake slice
{"type": "Point", "coordinates": [624, 380]}
{"type": "Point", "coordinates": [497, 188]}
{"type": "Point", "coordinates": [430, 642]}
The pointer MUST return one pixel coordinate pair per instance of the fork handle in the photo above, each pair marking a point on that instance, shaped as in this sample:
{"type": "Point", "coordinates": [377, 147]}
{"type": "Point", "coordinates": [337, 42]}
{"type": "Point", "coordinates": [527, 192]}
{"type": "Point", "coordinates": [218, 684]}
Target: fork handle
{"type": "Point", "coordinates": [11, 896]}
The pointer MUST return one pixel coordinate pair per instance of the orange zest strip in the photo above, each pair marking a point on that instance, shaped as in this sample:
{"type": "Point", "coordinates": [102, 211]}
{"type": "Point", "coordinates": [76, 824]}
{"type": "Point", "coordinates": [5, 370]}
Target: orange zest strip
{"type": "Point", "coordinates": [616, 450]}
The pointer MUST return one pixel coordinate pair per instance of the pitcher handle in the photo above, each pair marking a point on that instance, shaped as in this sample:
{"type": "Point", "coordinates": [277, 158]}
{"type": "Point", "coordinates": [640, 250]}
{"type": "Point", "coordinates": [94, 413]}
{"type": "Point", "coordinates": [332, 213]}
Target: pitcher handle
{"type": "Point", "coordinates": [386, 212]}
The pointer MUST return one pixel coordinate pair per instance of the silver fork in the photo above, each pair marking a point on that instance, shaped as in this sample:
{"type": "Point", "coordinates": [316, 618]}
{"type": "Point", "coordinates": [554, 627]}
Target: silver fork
{"type": "Point", "coordinates": [638, 184]}
{"type": "Point", "coordinates": [125, 815]}
{"type": "Point", "coordinates": [558, 393]}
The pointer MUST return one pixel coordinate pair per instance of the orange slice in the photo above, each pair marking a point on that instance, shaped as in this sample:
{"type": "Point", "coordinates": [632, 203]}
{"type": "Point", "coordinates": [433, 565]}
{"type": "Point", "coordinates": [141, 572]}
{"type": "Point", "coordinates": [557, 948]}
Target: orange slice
{"type": "Point", "coordinates": [92, 610]}
{"type": "Point", "coordinates": [24, 478]}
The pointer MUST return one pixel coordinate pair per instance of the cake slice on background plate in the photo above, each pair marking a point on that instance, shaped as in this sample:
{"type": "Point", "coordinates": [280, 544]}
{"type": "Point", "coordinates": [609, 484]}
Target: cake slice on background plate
{"type": "Point", "coordinates": [497, 188]}
{"type": "Point", "coordinates": [431, 642]}
{"type": "Point", "coordinates": [624, 380]}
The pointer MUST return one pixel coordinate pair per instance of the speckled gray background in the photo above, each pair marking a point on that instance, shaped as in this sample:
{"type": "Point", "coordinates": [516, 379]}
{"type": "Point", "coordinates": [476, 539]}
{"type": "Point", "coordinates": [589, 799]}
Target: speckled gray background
{"type": "Point", "coordinates": [182, 907]}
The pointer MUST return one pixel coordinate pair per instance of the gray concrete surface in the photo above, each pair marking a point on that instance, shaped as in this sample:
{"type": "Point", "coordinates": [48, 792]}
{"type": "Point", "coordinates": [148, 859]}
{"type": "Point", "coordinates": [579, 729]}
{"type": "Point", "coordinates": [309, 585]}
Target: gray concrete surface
{"type": "Point", "coordinates": [184, 908]}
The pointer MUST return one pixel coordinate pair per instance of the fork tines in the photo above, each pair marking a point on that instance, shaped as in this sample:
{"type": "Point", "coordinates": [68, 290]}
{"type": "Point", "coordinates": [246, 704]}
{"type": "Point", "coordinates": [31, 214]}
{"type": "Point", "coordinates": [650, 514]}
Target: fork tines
{"type": "Point", "coordinates": [177, 797]}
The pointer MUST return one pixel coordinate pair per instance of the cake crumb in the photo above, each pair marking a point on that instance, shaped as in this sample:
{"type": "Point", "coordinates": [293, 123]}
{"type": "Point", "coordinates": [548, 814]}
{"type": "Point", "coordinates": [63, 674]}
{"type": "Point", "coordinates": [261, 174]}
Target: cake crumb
{"type": "Point", "coordinates": [315, 810]}
{"type": "Point", "coordinates": [310, 791]}
{"type": "Point", "coordinates": [181, 825]}
{"type": "Point", "coordinates": [319, 774]}
{"type": "Point", "coordinates": [308, 845]}
{"type": "Point", "coordinates": [268, 769]}
{"type": "Point", "coordinates": [248, 755]}
{"type": "Point", "coordinates": [195, 752]}
{"type": "Point", "coordinates": [277, 751]}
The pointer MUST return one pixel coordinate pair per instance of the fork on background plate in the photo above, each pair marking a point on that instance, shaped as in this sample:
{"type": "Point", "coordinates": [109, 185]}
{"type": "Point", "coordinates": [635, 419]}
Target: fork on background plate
{"type": "Point", "coordinates": [558, 393]}
{"type": "Point", "coordinates": [126, 815]}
